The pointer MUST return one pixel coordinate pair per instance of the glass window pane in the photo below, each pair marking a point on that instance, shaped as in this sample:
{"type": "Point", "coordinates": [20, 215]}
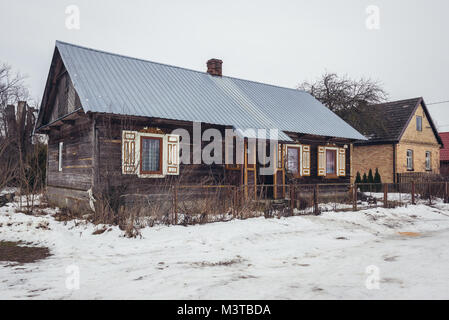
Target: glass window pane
{"type": "Point", "coordinates": [150, 155]}
{"type": "Point", "coordinates": [409, 159]}
{"type": "Point", "coordinates": [292, 160]}
{"type": "Point", "coordinates": [331, 157]}
{"type": "Point", "coordinates": [419, 123]}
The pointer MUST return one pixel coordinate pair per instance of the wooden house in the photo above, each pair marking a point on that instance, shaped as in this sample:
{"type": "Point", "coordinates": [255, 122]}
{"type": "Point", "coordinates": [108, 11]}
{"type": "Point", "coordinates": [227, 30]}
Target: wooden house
{"type": "Point", "coordinates": [403, 141]}
{"type": "Point", "coordinates": [117, 122]}
{"type": "Point", "coordinates": [444, 154]}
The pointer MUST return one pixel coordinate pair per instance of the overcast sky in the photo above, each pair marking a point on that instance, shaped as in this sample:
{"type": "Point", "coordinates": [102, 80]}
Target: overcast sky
{"type": "Point", "coordinates": [278, 42]}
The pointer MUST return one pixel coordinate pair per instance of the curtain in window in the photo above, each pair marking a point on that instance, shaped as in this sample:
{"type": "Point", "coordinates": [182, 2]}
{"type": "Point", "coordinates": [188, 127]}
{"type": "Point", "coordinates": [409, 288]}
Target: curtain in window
{"type": "Point", "coordinates": [331, 160]}
{"type": "Point", "coordinates": [151, 155]}
{"type": "Point", "coordinates": [292, 160]}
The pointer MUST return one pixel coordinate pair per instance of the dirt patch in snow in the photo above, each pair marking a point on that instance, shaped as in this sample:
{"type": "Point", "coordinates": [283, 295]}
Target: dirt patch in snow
{"type": "Point", "coordinates": [219, 263]}
{"type": "Point", "coordinates": [19, 253]}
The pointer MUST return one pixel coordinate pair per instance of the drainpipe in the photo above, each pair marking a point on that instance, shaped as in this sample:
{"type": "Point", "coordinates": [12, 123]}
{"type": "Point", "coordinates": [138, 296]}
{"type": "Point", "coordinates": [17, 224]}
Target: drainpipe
{"type": "Point", "coordinates": [394, 163]}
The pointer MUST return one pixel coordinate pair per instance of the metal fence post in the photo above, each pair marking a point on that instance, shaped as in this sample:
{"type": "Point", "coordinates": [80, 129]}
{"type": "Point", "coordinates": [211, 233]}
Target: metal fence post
{"type": "Point", "coordinates": [175, 204]}
{"type": "Point", "coordinates": [315, 200]}
{"type": "Point", "coordinates": [385, 195]}
{"type": "Point", "coordinates": [413, 192]}
{"type": "Point", "coordinates": [292, 199]}
{"type": "Point", "coordinates": [354, 197]}
{"type": "Point", "coordinates": [446, 192]}
{"type": "Point", "coordinates": [429, 187]}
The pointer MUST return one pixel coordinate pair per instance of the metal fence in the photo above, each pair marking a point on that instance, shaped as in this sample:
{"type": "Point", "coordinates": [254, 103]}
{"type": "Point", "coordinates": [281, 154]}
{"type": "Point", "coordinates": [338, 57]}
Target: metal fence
{"type": "Point", "coordinates": [190, 204]}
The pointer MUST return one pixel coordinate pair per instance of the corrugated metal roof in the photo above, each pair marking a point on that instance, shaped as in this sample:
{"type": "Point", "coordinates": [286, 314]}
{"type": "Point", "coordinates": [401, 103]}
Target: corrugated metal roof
{"type": "Point", "coordinates": [118, 84]}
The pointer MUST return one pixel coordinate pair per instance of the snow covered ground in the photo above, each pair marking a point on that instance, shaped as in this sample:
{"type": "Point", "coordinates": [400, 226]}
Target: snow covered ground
{"type": "Point", "coordinates": [378, 253]}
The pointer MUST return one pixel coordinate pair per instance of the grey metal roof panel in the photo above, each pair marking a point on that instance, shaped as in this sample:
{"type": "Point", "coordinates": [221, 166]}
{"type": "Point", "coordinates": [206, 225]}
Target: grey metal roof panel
{"type": "Point", "coordinates": [117, 84]}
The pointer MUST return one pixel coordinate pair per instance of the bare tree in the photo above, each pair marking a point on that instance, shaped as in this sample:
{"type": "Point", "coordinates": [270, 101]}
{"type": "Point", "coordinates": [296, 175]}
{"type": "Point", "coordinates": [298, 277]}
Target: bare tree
{"type": "Point", "coordinates": [348, 98]}
{"type": "Point", "coordinates": [12, 87]}
{"type": "Point", "coordinates": [22, 162]}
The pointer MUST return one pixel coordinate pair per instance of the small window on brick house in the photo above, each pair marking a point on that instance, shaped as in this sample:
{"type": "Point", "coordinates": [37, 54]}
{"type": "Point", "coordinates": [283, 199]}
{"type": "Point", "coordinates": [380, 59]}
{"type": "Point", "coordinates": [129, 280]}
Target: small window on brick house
{"type": "Point", "coordinates": [419, 123]}
{"type": "Point", "coordinates": [410, 160]}
{"type": "Point", "coordinates": [428, 161]}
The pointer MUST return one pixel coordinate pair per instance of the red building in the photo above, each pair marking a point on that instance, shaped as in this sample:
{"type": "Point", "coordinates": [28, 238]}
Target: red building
{"type": "Point", "coordinates": [444, 154]}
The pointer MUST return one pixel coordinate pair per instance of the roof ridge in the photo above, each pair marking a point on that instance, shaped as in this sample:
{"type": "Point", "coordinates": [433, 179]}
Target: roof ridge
{"type": "Point", "coordinates": [171, 66]}
{"type": "Point", "coordinates": [396, 101]}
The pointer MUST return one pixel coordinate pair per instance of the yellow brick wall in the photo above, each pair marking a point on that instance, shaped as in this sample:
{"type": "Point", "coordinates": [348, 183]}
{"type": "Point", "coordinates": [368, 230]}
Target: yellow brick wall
{"type": "Point", "coordinates": [419, 142]}
{"type": "Point", "coordinates": [372, 157]}
{"type": "Point", "coordinates": [419, 157]}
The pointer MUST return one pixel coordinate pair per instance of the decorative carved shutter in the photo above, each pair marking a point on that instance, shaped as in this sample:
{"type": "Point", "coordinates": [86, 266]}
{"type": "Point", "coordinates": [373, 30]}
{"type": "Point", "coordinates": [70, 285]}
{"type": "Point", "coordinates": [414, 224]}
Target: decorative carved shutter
{"type": "Point", "coordinates": [321, 161]}
{"type": "Point", "coordinates": [172, 154]}
{"type": "Point", "coordinates": [129, 155]}
{"type": "Point", "coordinates": [341, 162]}
{"type": "Point", "coordinates": [305, 160]}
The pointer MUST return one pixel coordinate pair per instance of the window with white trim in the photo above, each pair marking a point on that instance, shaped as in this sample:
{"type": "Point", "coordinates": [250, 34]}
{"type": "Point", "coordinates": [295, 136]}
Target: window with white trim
{"type": "Point", "coordinates": [428, 161]}
{"type": "Point", "coordinates": [150, 155]}
{"type": "Point", "coordinates": [331, 162]}
{"type": "Point", "coordinates": [293, 160]}
{"type": "Point", "coordinates": [410, 160]}
{"type": "Point", "coordinates": [61, 147]}
{"type": "Point", "coordinates": [297, 159]}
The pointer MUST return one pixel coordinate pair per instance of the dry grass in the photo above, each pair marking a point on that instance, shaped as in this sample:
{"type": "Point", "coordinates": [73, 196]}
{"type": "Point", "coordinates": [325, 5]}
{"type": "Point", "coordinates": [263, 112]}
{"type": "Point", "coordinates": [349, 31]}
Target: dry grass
{"type": "Point", "coordinates": [19, 253]}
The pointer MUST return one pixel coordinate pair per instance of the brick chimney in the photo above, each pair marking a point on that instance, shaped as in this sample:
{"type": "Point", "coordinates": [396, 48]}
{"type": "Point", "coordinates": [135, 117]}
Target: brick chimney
{"type": "Point", "coordinates": [214, 67]}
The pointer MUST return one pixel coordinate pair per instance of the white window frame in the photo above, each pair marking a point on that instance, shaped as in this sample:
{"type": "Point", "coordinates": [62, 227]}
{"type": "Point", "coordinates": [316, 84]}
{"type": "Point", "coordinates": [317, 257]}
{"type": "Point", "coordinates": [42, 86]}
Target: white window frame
{"type": "Point", "coordinates": [337, 161]}
{"type": "Point", "coordinates": [428, 161]}
{"type": "Point", "coordinates": [163, 159]}
{"type": "Point", "coordinates": [410, 166]}
{"type": "Point", "coordinates": [300, 167]}
{"type": "Point", "coordinates": [61, 148]}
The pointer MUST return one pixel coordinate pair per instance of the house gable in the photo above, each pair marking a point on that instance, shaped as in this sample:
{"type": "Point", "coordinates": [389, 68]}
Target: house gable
{"type": "Point", "coordinates": [60, 97]}
{"type": "Point", "coordinates": [419, 150]}
{"type": "Point", "coordinates": [427, 135]}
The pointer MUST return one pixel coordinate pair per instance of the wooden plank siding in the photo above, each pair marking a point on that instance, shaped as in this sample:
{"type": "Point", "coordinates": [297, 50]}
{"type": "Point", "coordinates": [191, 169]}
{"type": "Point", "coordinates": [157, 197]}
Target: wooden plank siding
{"type": "Point", "coordinates": [109, 159]}
{"type": "Point", "coordinates": [76, 175]}
{"type": "Point", "coordinates": [92, 159]}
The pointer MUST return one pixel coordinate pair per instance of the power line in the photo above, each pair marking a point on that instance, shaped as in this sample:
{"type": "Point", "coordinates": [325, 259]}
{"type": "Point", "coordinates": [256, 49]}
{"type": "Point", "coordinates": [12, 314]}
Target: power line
{"type": "Point", "coordinates": [441, 102]}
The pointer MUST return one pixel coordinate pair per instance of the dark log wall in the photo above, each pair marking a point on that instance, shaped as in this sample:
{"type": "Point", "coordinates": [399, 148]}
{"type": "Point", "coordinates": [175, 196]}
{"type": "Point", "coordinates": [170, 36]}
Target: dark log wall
{"type": "Point", "coordinates": [109, 132]}
{"type": "Point", "coordinates": [76, 176]}
{"type": "Point", "coordinates": [66, 100]}
{"type": "Point", "coordinates": [92, 159]}
{"type": "Point", "coordinates": [314, 178]}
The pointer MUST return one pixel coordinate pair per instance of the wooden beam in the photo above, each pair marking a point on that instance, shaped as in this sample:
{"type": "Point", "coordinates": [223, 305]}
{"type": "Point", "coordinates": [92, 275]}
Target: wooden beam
{"type": "Point", "coordinates": [69, 122]}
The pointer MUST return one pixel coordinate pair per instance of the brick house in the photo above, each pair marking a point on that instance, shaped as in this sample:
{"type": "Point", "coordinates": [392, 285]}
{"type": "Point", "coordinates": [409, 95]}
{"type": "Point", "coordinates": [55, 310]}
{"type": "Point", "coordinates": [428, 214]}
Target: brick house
{"type": "Point", "coordinates": [402, 140]}
{"type": "Point", "coordinates": [444, 154]}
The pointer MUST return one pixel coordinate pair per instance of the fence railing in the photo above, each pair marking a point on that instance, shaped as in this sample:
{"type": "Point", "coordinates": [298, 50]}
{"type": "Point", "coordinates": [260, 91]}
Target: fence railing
{"type": "Point", "coordinates": [409, 177]}
{"type": "Point", "coordinates": [189, 204]}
